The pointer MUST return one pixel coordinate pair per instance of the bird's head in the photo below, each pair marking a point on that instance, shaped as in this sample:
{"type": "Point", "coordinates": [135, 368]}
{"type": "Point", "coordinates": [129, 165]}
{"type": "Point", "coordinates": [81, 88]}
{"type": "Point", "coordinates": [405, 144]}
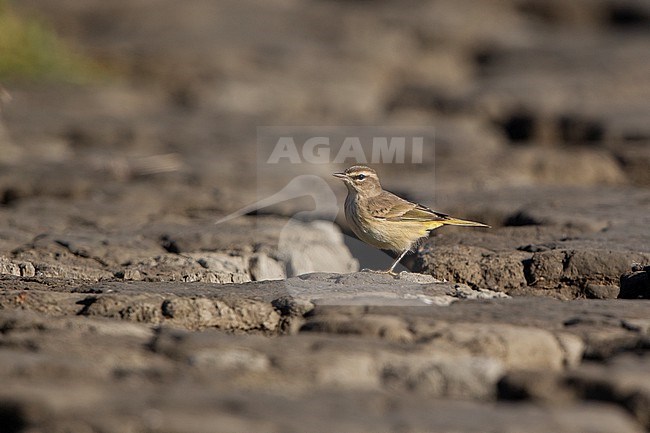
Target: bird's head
{"type": "Point", "coordinates": [361, 180]}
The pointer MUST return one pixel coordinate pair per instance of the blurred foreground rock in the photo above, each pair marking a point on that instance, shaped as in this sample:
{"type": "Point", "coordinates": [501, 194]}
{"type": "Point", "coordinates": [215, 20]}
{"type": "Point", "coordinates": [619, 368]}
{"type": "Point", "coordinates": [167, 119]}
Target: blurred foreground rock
{"type": "Point", "coordinates": [148, 355]}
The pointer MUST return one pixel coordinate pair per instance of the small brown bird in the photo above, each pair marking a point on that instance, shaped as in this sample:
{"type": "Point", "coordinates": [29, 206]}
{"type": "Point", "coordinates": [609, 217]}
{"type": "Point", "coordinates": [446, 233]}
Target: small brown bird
{"type": "Point", "coordinates": [386, 221]}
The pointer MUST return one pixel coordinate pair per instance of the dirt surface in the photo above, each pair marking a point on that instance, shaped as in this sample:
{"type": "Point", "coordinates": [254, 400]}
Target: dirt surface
{"type": "Point", "coordinates": [126, 307]}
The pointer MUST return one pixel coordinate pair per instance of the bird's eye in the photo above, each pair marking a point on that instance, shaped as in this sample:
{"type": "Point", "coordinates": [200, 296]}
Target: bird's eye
{"type": "Point", "coordinates": [360, 177]}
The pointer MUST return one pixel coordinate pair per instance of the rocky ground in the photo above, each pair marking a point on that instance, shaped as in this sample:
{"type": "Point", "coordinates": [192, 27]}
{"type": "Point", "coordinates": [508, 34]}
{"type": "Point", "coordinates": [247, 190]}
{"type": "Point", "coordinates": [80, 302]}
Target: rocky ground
{"type": "Point", "coordinates": [125, 308]}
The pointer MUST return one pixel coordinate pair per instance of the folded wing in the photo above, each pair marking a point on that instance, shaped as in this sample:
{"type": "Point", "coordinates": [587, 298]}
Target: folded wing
{"type": "Point", "coordinates": [389, 207]}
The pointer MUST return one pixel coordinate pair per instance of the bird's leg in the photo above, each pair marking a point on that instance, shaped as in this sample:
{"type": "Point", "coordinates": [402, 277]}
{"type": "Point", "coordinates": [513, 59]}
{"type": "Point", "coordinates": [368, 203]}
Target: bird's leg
{"type": "Point", "coordinates": [392, 267]}
{"type": "Point", "coordinates": [397, 260]}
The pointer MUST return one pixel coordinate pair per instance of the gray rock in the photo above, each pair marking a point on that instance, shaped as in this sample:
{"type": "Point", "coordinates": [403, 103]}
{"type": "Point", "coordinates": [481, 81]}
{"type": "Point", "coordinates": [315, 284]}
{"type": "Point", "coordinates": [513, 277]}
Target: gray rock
{"type": "Point", "coordinates": [20, 269]}
{"type": "Point", "coordinates": [623, 380]}
{"type": "Point", "coordinates": [200, 251]}
{"type": "Point", "coordinates": [263, 267]}
{"type": "Point", "coordinates": [597, 291]}
{"type": "Point", "coordinates": [560, 243]}
{"type": "Point", "coordinates": [296, 247]}
{"type": "Point", "coordinates": [515, 347]}
{"type": "Point", "coordinates": [371, 288]}
{"type": "Point", "coordinates": [625, 383]}
{"type": "Point", "coordinates": [457, 351]}
{"type": "Point", "coordinates": [204, 267]}
{"type": "Point", "coordinates": [636, 284]}
{"type": "Point", "coordinates": [477, 267]}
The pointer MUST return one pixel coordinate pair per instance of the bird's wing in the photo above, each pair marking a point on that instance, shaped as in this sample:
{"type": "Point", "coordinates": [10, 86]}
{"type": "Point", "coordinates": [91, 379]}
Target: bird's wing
{"type": "Point", "coordinates": [389, 207]}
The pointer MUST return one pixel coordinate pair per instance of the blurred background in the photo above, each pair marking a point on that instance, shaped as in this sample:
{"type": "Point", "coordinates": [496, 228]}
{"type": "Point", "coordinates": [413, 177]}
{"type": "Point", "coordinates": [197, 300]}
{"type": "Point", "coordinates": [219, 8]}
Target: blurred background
{"type": "Point", "coordinates": [152, 106]}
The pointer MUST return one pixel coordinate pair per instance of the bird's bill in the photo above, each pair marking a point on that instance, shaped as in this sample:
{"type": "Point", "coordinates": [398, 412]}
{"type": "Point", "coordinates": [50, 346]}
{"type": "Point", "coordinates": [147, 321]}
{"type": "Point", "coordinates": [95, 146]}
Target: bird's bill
{"type": "Point", "coordinates": [340, 175]}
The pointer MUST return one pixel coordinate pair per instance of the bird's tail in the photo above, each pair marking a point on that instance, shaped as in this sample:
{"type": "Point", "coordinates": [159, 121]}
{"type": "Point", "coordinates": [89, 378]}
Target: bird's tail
{"type": "Point", "coordinates": [465, 223]}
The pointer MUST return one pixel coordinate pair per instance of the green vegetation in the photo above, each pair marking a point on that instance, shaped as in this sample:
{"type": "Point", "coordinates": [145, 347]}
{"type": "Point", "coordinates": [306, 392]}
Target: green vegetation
{"type": "Point", "coordinates": [30, 51]}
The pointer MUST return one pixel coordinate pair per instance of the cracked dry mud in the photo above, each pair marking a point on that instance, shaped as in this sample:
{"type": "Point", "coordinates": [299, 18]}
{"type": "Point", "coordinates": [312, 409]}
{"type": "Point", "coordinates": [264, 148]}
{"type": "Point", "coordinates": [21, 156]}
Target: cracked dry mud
{"type": "Point", "coordinates": [125, 308]}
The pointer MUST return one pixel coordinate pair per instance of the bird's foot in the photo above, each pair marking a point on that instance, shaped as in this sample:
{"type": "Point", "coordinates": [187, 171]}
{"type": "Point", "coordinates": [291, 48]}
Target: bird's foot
{"type": "Point", "coordinates": [374, 271]}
